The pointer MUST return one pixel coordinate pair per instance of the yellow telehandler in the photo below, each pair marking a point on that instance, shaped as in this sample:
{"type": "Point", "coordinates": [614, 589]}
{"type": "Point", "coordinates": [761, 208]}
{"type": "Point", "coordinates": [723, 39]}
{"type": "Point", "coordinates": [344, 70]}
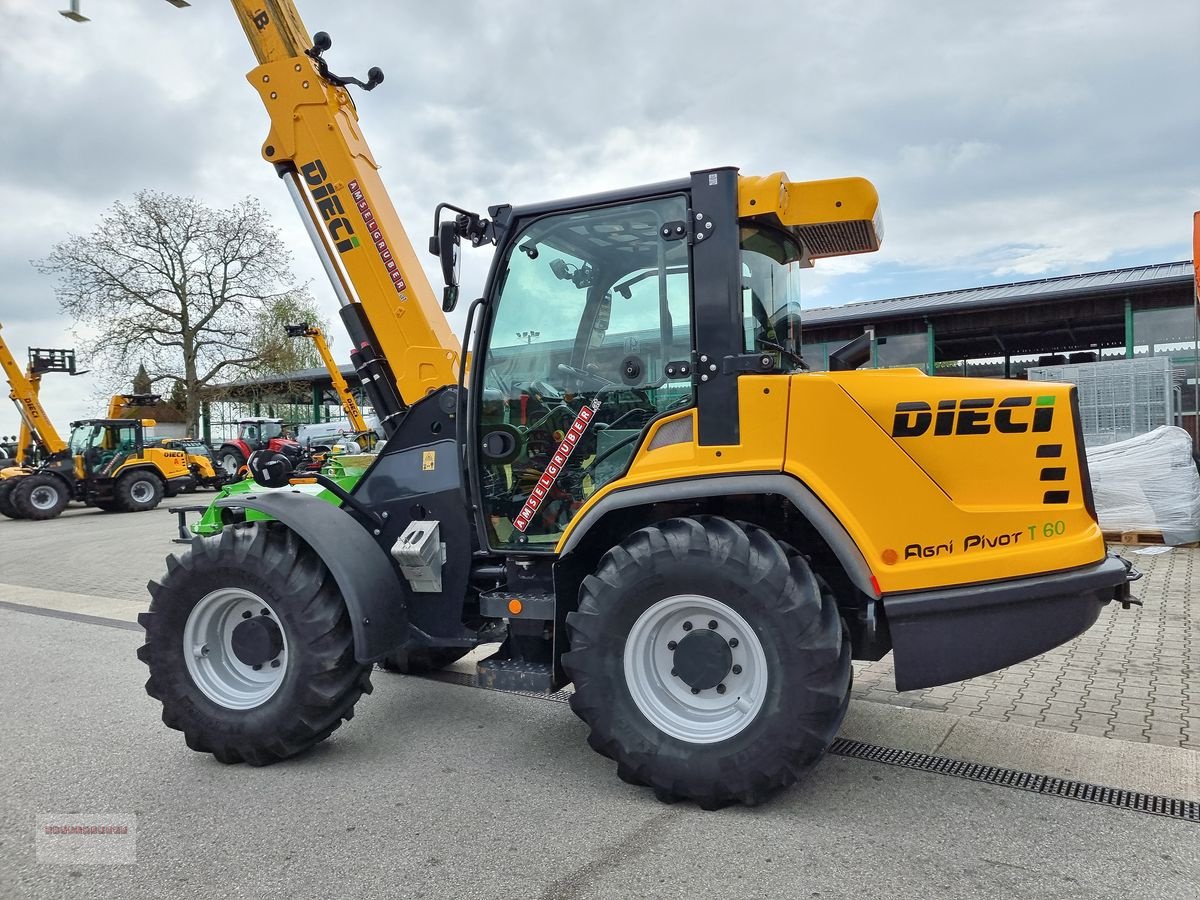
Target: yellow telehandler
{"type": "Point", "coordinates": [637, 483]}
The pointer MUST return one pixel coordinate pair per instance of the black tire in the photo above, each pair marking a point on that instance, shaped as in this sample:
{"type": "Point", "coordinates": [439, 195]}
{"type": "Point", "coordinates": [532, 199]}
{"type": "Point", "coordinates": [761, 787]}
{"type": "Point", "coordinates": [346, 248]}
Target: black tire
{"type": "Point", "coordinates": [422, 660]}
{"type": "Point", "coordinates": [230, 461]}
{"type": "Point", "coordinates": [321, 682]}
{"type": "Point", "coordinates": [40, 496]}
{"type": "Point", "coordinates": [797, 625]}
{"type": "Point", "coordinates": [137, 491]}
{"type": "Point", "coordinates": [6, 505]}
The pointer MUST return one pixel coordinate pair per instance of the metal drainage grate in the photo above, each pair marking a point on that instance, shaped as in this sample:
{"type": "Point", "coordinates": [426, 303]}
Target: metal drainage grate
{"type": "Point", "coordinates": [1152, 804]}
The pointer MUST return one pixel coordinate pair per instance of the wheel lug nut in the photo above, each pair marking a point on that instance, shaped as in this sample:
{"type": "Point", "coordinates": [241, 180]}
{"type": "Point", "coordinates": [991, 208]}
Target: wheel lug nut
{"type": "Point", "coordinates": [720, 688]}
{"type": "Point", "coordinates": [695, 690]}
{"type": "Point", "coordinates": [246, 614]}
{"type": "Point", "coordinates": [674, 673]}
{"type": "Point", "coordinates": [736, 670]}
{"type": "Point", "coordinates": [671, 645]}
{"type": "Point", "coordinates": [274, 664]}
{"type": "Point", "coordinates": [266, 612]}
{"type": "Point", "coordinates": [713, 624]}
{"type": "Point", "coordinates": [687, 626]}
{"type": "Point", "coordinates": [733, 642]}
{"type": "Point", "coordinates": [257, 667]}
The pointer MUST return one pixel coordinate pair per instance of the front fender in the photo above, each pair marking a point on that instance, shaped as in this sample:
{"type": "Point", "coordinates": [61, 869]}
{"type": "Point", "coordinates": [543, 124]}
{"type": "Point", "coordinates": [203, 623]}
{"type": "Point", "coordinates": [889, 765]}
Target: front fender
{"type": "Point", "coordinates": [375, 596]}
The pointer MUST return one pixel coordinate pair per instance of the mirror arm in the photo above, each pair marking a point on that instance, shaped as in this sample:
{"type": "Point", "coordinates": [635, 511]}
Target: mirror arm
{"type": "Point", "coordinates": [376, 519]}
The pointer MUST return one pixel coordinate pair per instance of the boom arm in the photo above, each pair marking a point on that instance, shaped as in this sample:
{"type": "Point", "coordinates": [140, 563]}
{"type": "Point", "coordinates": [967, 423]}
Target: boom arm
{"type": "Point", "coordinates": [24, 435]}
{"type": "Point", "coordinates": [402, 343]}
{"type": "Point", "coordinates": [23, 390]}
{"type": "Point", "coordinates": [349, 404]}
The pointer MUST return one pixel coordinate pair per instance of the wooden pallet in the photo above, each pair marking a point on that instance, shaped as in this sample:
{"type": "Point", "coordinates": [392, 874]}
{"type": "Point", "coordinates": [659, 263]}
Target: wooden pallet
{"type": "Point", "coordinates": [1139, 538]}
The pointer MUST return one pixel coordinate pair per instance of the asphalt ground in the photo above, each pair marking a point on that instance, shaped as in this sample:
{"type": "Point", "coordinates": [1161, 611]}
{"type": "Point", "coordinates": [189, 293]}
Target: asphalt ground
{"type": "Point", "coordinates": [436, 790]}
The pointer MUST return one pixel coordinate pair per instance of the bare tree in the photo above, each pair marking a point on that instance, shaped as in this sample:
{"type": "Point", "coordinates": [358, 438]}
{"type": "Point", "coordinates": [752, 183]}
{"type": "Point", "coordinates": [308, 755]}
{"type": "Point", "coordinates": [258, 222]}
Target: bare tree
{"type": "Point", "coordinates": [195, 293]}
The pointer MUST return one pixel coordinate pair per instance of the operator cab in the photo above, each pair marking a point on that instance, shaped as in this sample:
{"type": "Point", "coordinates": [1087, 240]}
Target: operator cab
{"type": "Point", "coordinates": [258, 433]}
{"type": "Point", "coordinates": [593, 330]}
{"type": "Point", "coordinates": [105, 444]}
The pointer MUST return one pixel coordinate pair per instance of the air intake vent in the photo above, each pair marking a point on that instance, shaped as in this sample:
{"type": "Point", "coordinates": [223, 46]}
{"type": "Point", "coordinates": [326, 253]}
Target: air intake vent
{"type": "Point", "coordinates": [677, 432]}
{"type": "Point", "coordinates": [838, 238]}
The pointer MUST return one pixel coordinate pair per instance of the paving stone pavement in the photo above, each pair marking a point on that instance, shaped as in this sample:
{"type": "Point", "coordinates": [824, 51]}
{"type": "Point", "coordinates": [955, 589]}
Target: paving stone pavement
{"type": "Point", "coordinates": [1134, 675]}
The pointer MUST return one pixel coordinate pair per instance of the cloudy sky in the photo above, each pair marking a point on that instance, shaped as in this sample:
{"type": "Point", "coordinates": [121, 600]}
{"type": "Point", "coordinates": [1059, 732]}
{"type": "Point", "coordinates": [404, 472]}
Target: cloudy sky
{"type": "Point", "coordinates": [1009, 141]}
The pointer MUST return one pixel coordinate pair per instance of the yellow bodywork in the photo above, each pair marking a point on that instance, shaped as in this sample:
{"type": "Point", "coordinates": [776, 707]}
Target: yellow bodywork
{"type": "Point", "coordinates": [833, 217]}
{"type": "Point", "coordinates": [926, 511]}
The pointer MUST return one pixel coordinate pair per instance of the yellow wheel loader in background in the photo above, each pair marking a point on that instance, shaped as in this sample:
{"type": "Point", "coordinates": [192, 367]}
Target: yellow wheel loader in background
{"type": "Point", "coordinates": [636, 484]}
{"type": "Point", "coordinates": [107, 463]}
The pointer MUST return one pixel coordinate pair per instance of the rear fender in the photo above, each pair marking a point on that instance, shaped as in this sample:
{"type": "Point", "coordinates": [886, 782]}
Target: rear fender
{"type": "Point", "coordinates": [375, 597]}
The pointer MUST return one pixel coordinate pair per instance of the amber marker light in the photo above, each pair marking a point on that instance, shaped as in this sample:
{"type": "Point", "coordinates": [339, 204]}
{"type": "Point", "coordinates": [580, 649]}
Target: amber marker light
{"type": "Point", "coordinates": [890, 556]}
{"type": "Point", "coordinates": [515, 606]}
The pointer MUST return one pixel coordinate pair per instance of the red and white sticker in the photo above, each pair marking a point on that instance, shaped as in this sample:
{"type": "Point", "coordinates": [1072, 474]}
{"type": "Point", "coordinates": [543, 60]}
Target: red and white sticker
{"type": "Point", "coordinates": [565, 448]}
{"type": "Point", "coordinates": [381, 247]}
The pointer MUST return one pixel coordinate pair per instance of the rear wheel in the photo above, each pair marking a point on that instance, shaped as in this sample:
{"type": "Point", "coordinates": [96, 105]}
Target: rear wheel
{"type": "Point", "coordinates": [137, 491]}
{"type": "Point", "coordinates": [40, 496]}
{"type": "Point", "coordinates": [708, 662]}
{"type": "Point", "coordinates": [250, 647]}
{"type": "Point", "coordinates": [6, 504]}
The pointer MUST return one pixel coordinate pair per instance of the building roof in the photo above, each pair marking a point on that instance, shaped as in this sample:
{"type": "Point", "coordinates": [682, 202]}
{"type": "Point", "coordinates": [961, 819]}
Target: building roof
{"type": "Point", "coordinates": [970, 299]}
{"type": "Point", "coordinates": [317, 375]}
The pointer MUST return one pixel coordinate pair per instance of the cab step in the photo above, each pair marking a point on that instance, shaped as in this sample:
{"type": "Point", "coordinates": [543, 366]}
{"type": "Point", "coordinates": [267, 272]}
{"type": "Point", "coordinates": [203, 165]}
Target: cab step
{"type": "Point", "coordinates": [515, 675]}
{"type": "Point", "coordinates": [525, 604]}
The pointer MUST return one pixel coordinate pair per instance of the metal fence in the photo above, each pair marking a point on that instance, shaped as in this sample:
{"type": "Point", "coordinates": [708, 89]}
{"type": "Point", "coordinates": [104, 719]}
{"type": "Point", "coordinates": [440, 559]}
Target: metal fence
{"type": "Point", "coordinates": [1121, 398]}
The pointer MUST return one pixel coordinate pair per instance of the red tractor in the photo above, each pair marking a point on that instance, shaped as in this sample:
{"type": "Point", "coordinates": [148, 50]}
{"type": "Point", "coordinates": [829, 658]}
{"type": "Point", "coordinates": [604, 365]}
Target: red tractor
{"type": "Point", "coordinates": [256, 434]}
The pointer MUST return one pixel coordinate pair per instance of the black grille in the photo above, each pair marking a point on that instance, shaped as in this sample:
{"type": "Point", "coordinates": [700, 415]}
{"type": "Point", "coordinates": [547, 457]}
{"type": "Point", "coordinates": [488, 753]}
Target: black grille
{"type": "Point", "coordinates": [837, 239]}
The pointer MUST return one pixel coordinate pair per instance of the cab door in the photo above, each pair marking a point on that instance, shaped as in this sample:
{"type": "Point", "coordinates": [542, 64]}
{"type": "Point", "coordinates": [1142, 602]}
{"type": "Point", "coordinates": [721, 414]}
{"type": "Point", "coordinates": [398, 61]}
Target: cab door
{"type": "Point", "coordinates": [590, 309]}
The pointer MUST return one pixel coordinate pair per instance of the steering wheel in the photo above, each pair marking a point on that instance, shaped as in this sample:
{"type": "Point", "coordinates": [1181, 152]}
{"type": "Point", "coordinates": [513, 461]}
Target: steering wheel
{"type": "Point", "coordinates": [583, 377]}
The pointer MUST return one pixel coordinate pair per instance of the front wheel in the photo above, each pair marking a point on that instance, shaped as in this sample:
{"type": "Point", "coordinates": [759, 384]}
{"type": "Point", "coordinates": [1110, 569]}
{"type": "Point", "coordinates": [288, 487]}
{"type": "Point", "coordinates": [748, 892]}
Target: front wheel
{"type": "Point", "coordinates": [40, 496]}
{"type": "Point", "coordinates": [708, 661]}
{"type": "Point", "coordinates": [250, 647]}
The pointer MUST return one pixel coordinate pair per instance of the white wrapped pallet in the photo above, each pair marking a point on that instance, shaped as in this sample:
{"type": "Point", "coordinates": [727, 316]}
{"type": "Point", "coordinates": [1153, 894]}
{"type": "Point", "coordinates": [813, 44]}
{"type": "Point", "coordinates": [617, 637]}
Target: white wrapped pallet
{"type": "Point", "coordinates": [1148, 483]}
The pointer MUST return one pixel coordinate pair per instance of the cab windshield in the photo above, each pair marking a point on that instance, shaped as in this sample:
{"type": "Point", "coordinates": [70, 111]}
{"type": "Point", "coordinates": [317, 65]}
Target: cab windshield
{"type": "Point", "coordinates": [271, 430]}
{"type": "Point", "coordinates": [771, 263]}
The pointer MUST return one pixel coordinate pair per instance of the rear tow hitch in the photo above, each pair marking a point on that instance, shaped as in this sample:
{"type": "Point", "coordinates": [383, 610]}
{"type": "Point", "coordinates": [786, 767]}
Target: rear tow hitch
{"type": "Point", "coordinates": [1131, 575]}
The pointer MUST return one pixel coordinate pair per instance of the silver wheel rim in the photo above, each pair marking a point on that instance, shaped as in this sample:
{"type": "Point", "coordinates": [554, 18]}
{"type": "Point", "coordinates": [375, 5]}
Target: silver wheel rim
{"type": "Point", "coordinates": [230, 464]}
{"type": "Point", "coordinates": [665, 699]}
{"type": "Point", "coordinates": [208, 650]}
{"type": "Point", "coordinates": [43, 497]}
{"type": "Point", "coordinates": [141, 491]}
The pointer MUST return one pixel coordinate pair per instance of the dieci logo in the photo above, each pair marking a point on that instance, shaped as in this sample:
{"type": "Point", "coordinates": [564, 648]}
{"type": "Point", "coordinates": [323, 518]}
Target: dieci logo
{"type": "Point", "coordinates": [977, 416]}
{"type": "Point", "coordinates": [330, 205]}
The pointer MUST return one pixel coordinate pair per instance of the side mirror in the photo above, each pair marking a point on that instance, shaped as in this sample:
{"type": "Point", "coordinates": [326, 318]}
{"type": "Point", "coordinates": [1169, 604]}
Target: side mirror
{"type": "Point", "coordinates": [448, 242]}
{"type": "Point", "coordinates": [268, 468]}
